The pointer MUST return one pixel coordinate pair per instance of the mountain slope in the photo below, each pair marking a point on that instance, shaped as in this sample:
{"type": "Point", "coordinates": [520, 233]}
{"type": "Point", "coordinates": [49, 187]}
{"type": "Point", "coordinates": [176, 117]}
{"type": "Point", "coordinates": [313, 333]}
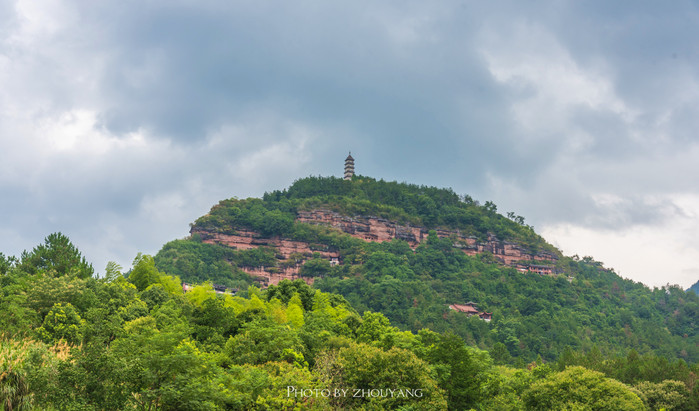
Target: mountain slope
{"type": "Point", "coordinates": [411, 252]}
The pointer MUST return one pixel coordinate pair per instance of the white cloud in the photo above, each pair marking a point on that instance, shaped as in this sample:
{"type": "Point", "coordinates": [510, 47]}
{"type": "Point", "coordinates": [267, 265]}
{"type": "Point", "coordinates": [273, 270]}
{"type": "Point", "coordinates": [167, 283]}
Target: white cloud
{"type": "Point", "coordinates": [653, 254]}
{"type": "Point", "coordinates": [41, 19]}
{"type": "Point", "coordinates": [116, 195]}
{"type": "Point", "coordinates": [549, 84]}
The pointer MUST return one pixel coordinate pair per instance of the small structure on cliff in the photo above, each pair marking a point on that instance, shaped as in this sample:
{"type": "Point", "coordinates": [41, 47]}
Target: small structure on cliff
{"type": "Point", "coordinates": [539, 269]}
{"type": "Point", "coordinates": [349, 167]}
{"type": "Point", "coordinates": [471, 309]}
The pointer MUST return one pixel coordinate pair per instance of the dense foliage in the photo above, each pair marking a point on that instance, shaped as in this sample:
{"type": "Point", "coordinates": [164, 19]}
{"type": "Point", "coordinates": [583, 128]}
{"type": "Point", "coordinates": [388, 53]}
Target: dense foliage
{"type": "Point", "coordinates": [74, 342]}
{"type": "Point", "coordinates": [584, 306]}
{"type": "Point", "coordinates": [532, 314]}
{"type": "Point", "coordinates": [405, 203]}
{"type": "Point", "coordinates": [197, 262]}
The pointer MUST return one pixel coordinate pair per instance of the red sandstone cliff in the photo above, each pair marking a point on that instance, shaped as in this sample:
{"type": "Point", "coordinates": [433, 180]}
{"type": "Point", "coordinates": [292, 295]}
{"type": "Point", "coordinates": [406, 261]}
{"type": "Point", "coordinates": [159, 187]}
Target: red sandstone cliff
{"type": "Point", "coordinates": [379, 229]}
{"type": "Point", "coordinates": [291, 254]}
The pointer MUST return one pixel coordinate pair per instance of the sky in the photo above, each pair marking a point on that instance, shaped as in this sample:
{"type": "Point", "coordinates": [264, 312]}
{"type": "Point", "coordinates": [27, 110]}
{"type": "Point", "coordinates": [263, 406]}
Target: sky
{"type": "Point", "coordinates": [121, 122]}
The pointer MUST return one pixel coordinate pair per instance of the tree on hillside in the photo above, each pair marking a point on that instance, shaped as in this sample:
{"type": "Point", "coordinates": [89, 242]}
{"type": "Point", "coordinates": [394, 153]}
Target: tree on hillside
{"type": "Point", "coordinates": [459, 372]}
{"type": "Point", "coordinates": [666, 395]}
{"type": "Point", "coordinates": [286, 289]}
{"type": "Point", "coordinates": [6, 263]}
{"type": "Point", "coordinates": [57, 255]}
{"type": "Point", "coordinates": [579, 388]}
{"type": "Point", "coordinates": [144, 274]}
{"type": "Point", "coordinates": [368, 373]}
{"type": "Point", "coordinates": [62, 322]}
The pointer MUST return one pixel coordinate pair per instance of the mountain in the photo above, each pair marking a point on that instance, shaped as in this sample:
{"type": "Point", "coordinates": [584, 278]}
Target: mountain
{"type": "Point", "coordinates": [294, 222]}
{"type": "Point", "coordinates": [422, 256]}
{"type": "Point", "coordinates": [694, 288]}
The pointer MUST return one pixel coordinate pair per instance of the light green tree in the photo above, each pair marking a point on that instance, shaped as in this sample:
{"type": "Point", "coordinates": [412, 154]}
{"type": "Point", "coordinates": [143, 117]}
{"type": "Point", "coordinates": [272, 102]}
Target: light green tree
{"type": "Point", "coordinates": [62, 323]}
{"type": "Point", "coordinates": [14, 387]}
{"type": "Point", "coordinates": [374, 372]}
{"type": "Point", "coordinates": [263, 340]}
{"type": "Point", "coordinates": [112, 272]}
{"type": "Point", "coordinates": [294, 311]}
{"type": "Point", "coordinates": [144, 272]}
{"type": "Point", "coordinates": [667, 395]}
{"type": "Point", "coordinates": [164, 368]}
{"type": "Point", "coordinates": [577, 388]}
{"type": "Point", "coordinates": [374, 327]}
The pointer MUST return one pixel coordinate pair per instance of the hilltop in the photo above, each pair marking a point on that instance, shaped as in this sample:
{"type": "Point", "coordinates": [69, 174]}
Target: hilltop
{"type": "Point", "coordinates": [411, 252]}
{"type": "Point", "coordinates": [307, 218]}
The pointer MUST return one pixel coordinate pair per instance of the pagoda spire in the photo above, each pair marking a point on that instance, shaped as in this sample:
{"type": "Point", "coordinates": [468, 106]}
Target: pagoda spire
{"type": "Point", "coordinates": [349, 167]}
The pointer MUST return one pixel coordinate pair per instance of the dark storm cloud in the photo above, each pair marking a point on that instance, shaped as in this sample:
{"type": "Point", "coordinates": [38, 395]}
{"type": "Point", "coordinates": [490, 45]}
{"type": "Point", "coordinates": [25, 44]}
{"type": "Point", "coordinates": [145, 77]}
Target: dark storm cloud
{"type": "Point", "coordinates": [181, 72]}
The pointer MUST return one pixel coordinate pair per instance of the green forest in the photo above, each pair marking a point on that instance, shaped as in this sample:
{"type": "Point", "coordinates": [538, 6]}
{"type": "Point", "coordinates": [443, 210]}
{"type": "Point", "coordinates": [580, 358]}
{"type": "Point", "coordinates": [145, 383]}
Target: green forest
{"type": "Point", "coordinates": [585, 306]}
{"type": "Point", "coordinates": [374, 332]}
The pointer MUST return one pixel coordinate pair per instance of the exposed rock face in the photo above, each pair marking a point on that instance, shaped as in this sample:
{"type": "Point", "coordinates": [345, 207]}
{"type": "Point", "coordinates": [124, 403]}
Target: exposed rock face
{"type": "Point", "coordinates": [268, 278]}
{"type": "Point", "coordinates": [286, 249]}
{"type": "Point", "coordinates": [365, 228]}
{"type": "Point", "coordinates": [379, 229]}
{"type": "Point", "coordinates": [291, 254]}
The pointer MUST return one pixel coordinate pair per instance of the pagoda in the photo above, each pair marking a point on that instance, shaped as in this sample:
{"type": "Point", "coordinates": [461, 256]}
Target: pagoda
{"type": "Point", "coordinates": [349, 167]}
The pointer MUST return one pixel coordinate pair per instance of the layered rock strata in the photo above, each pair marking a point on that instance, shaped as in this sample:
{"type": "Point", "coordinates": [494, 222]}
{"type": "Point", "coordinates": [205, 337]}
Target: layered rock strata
{"type": "Point", "coordinates": [379, 229]}
{"type": "Point", "coordinates": [291, 254]}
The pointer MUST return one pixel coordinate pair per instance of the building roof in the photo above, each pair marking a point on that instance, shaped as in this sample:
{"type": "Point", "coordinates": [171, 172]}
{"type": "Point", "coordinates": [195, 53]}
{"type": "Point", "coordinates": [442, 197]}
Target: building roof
{"type": "Point", "coordinates": [464, 308]}
{"type": "Point", "coordinates": [349, 157]}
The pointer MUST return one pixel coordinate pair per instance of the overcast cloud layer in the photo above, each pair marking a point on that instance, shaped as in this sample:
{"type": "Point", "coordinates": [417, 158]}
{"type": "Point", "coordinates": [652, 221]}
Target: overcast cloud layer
{"type": "Point", "coordinates": [122, 122]}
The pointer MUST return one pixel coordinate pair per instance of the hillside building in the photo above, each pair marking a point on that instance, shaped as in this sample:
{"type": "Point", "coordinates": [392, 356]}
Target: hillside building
{"type": "Point", "coordinates": [470, 309]}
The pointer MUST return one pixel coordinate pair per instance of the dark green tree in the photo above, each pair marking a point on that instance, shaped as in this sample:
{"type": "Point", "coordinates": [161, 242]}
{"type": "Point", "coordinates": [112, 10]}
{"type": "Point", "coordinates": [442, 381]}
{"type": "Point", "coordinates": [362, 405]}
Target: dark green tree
{"type": "Point", "coordinates": [6, 263]}
{"type": "Point", "coordinates": [58, 256]}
